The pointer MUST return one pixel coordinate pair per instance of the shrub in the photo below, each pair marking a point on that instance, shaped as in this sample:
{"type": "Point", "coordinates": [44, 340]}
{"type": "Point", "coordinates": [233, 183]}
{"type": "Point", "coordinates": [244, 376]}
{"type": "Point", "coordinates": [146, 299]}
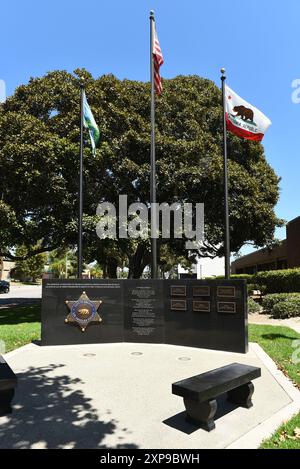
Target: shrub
{"type": "Point", "coordinates": [247, 277]}
{"type": "Point", "coordinates": [279, 281]}
{"type": "Point", "coordinates": [251, 287]}
{"type": "Point", "coordinates": [253, 307]}
{"type": "Point", "coordinates": [287, 309]}
{"type": "Point", "coordinates": [262, 289]}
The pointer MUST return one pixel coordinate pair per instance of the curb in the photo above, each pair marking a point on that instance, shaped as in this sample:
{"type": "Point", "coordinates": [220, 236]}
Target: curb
{"type": "Point", "coordinates": [254, 438]}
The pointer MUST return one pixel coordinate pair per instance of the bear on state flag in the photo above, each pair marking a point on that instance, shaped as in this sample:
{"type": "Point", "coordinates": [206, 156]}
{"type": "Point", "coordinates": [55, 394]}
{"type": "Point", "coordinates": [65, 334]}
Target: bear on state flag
{"type": "Point", "coordinates": [243, 119]}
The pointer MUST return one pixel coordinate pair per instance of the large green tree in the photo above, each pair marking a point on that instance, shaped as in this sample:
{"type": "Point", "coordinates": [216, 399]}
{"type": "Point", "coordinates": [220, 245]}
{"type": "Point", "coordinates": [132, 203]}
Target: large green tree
{"type": "Point", "coordinates": [31, 268]}
{"type": "Point", "coordinates": [39, 148]}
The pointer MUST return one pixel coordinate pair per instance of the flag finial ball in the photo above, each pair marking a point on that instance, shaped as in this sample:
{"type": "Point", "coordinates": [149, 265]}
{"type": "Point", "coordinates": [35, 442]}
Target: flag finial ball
{"type": "Point", "coordinates": [152, 13]}
{"type": "Point", "coordinates": [223, 70]}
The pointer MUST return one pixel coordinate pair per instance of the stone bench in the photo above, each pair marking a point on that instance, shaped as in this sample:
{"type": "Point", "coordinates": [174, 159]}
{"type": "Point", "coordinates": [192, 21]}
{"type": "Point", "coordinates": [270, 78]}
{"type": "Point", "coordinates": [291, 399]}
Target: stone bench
{"type": "Point", "coordinates": [8, 383]}
{"type": "Point", "coordinates": [200, 392]}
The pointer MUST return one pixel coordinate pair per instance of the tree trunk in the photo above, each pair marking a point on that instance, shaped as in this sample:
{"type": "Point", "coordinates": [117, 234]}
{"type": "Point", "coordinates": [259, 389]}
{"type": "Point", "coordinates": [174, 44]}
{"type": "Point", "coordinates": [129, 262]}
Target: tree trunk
{"type": "Point", "coordinates": [112, 265]}
{"type": "Point", "coordinates": [138, 262]}
{"type": "Point", "coordinates": [104, 268]}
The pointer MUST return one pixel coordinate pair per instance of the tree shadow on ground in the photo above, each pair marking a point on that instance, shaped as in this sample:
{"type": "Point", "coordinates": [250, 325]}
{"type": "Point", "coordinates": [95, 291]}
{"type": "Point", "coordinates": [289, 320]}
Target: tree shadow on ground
{"type": "Point", "coordinates": [279, 336]}
{"type": "Point", "coordinates": [52, 412]}
{"type": "Point", "coordinates": [20, 314]}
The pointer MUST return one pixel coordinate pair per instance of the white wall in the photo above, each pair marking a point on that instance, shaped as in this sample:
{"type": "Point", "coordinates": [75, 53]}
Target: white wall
{"type": "Point", "coordinates": [5, 268]}
{"type": "Point", "coordinates": [206, 267]}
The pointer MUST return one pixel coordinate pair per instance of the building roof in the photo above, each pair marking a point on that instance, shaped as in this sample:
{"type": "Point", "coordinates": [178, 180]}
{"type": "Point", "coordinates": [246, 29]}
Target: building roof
{"type": "Point", "coordinates": [263, 255]}
{"type": "Point", "coordinates": [295, 220]}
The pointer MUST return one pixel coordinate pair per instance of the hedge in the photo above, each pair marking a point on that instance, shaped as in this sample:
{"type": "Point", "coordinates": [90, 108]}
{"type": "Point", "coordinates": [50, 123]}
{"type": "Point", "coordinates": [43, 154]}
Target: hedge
{"type": "Point", "coordinates": [253, 307]}
{"type": "Point", "coordinates": [287, 309]}
{"type": "Point", "coordinates": [247, 277]}
{"type": "Point", "coordinates": [279, 281]}
{"type": "Point", "coordinates": [269, 301]}
{"type": "Point", "coordinates": [271, 281]}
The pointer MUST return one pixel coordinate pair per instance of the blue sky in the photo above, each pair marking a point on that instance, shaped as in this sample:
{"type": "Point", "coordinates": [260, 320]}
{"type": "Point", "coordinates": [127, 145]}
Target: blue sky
{"type": "Point", "coordinates": [257, 42]}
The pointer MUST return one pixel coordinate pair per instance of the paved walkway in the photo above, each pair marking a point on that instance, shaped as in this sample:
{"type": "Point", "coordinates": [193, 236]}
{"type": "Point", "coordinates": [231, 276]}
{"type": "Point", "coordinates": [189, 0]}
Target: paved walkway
{"type": "Point", "coordinates": [21, 295]}
{"type": "Point", "coordinates": [119, 396]}
{"type": "Point", "coordinates": [266, 319]}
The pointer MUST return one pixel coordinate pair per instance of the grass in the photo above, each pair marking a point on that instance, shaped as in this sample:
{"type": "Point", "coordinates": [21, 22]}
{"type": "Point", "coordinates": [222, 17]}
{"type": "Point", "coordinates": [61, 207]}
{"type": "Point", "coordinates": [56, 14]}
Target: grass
{"type": "Point", "coordinates": [19, 326]}
{"type": "Point", "coordinates": [285, 438]}
{"type": "Point", "coordinates": [277, 342]}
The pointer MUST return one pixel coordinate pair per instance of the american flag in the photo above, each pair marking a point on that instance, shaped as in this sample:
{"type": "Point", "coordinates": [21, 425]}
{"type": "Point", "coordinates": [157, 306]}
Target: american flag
{"type": "Point", "coordinates": [157, 62]}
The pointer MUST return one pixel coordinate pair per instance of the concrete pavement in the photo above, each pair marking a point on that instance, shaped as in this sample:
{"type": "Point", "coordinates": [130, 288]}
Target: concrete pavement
{"type": "Point", "coordinates": [267, 320]}
{"type": "Point", "coordinates": [119, 396]}
{"type": "Point", "coordinates": [21, 294]}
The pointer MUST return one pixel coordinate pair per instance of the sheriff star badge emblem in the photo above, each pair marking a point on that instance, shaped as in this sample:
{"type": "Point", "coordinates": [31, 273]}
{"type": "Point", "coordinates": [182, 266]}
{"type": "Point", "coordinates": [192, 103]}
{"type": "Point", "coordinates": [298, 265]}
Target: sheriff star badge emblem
{"type": "Point", "coordinates": [83, 312]}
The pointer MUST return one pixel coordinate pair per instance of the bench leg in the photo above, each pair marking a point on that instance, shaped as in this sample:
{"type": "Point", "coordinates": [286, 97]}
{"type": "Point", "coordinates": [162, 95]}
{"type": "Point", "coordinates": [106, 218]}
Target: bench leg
{"type": "Point", "coordinates": [5, 401]}
{"type": "Point", "coordinates": [201, 413]}
{"type": "Point", "coordinates": [242, 395]}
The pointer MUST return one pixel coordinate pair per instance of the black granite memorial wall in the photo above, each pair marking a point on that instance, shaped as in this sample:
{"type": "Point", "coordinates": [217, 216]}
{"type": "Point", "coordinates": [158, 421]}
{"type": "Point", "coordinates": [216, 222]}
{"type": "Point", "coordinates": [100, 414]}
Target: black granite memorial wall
{"type": "Point", "coordinates": [197, 313]}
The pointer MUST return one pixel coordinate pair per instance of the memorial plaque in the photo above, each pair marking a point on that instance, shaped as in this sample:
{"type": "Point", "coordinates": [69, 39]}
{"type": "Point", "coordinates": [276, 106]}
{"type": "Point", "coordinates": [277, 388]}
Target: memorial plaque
{"type": "Point", "coordinates": [202, 290]}
{"type": "Point", "coordinates": [178, 290]}
{"type": "Point", "coordinates": [178, 305]}
{"type": "Point", "coordinates": [64, 297]}
{"type": "Point", "coordinates": [226, 307]}
{"type": "Point", "coordinates": [226, 291]}
{"type": "Point", "coordinates": [144, 316]}
{"type": "Point", "coordinates": [201, 306]}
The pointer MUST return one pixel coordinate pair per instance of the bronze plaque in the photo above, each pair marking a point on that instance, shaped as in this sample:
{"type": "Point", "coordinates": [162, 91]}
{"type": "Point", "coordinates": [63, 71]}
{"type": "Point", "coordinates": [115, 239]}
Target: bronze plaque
{"type": "Point", "coordinates": [226, 307]}
{"type": "Point", "coordinates": [226, 291]}
{"type": "Point", "coordinates": [202, 306]}
{"type": "Point", "coordinates": [178, 290]}
{"type": "Point", "coordinates": [178, 305]}
{"type": "Point", "coordinates": [202, 290]}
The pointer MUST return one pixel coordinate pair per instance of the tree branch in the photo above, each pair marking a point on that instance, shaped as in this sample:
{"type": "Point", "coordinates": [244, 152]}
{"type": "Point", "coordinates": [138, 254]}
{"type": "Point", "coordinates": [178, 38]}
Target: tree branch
{"type": "Point", "coordinates": [29, 254]}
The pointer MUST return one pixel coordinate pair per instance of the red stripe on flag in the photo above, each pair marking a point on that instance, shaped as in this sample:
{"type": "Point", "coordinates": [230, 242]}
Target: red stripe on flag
{"type": "Point", "coordinates": [239, 132]}
{"type": "Point", "coordinates": [157, 62]}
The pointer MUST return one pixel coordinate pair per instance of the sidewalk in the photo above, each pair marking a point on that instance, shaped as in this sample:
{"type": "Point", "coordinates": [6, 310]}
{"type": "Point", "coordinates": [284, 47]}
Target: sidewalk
{"type": "Point", "coordinates": [266, 319]}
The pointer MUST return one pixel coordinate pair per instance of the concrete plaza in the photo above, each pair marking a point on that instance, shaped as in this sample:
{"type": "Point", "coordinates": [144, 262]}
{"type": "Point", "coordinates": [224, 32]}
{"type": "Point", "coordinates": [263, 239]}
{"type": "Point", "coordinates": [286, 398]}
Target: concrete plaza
{"type": "Point", "coordinates": [119, 396]}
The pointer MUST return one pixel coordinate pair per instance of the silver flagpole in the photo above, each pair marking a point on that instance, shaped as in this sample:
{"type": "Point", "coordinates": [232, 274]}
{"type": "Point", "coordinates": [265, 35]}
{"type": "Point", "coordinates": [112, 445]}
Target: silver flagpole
{"type": "Point", "coordinates": [80, 215]}
{"type": "Point", "coordinates": [226, 201]}
{"type": "Point", "coordinates": [152, 157]}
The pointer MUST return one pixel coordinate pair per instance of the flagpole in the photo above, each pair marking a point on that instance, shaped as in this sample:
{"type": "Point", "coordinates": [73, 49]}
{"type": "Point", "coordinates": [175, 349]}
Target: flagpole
{"type": "Point", "coordinates": [79, 263]}
{"type": "Point", "coordinates": [152, 157]}
{"type": "Point", "coordinates": [226, 234]}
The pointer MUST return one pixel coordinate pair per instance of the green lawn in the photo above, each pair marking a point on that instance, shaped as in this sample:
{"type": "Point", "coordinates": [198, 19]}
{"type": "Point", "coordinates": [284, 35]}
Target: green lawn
{"type": "Point", "coordinates": [286, 436]}
{"type": "Point", "coordinates": [19, 326]}
{"type": "Point", "coordinates": [277, 342]}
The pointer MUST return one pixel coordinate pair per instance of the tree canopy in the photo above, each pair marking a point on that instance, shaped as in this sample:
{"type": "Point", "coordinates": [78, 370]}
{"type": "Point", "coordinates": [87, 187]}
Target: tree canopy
{"type": "Point", "coordinates": [31, 268]}
{"type": "Point", "coordinates": [39, 160]}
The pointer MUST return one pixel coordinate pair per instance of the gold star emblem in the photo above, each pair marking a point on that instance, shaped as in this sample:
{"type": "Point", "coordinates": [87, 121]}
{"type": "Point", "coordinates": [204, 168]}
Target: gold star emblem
{"type": "Point", "coordinates": [83, 312]}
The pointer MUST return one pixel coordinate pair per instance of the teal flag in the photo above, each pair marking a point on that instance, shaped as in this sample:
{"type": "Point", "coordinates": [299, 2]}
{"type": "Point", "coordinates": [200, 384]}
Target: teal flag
{"type": "Point", "coordinates": [90, 123]}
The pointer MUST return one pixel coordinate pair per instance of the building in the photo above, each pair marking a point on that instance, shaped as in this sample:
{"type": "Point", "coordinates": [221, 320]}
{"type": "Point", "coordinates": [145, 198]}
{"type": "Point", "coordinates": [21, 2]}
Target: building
{"type": "Point", "coordinates": [285, 255]}
{"type": "Point", "coordinates": [5, 268]}
{"type": "Point", "coordinates": [205, 267]}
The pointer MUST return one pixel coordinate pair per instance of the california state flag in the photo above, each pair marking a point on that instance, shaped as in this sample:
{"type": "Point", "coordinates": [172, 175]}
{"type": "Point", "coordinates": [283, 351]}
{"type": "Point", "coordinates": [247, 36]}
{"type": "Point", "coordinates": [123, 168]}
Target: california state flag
{"type": "Point", "coordinates": [243, 119]}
